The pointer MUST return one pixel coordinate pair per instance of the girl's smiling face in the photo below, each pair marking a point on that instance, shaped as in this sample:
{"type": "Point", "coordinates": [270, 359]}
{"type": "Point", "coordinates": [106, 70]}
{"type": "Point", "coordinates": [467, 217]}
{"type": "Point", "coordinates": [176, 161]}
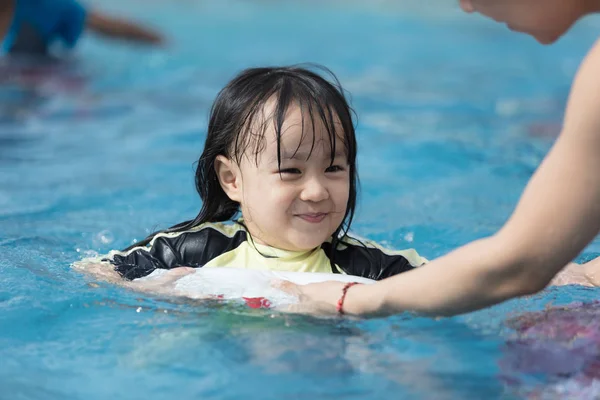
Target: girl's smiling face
{"type": "Point", "coordinates": [293, 196]}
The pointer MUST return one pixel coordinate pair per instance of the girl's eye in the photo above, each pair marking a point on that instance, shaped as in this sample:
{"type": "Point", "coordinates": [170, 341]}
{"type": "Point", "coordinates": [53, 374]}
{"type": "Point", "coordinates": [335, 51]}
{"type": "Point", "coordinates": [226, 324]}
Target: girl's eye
{"type": "Point", "coordinates": [335, 168]}
{"type": "Point", "coordinates": [290, 171]}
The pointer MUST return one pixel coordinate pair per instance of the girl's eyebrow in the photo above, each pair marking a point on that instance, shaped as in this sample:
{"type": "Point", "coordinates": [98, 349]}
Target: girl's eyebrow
{"type": "Point", "coordinates": [303, 156]}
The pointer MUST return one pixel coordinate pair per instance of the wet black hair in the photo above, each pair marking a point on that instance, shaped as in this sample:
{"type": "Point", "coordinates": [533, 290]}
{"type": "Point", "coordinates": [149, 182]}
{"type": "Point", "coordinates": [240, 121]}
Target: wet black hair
{"type": "Point", "coordinates": [237, 110]}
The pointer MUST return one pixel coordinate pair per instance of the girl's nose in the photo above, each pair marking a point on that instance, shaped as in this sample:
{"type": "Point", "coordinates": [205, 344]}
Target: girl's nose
{"type": "Point", "coordinates": [314, 191]}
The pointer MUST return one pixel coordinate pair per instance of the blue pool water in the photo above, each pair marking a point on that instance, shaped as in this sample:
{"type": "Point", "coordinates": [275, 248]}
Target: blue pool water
{"type": "Point", "coordinates": [455, 113]}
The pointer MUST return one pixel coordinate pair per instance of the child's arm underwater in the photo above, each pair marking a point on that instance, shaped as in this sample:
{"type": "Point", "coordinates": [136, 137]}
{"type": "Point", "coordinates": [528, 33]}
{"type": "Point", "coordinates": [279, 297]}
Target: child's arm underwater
{"type": "Point", "coordinates": [175, 254]}
{"type": "Point", "coordinates": [105, 271]}
{"type": "Point", "coordinates": [118, 28]}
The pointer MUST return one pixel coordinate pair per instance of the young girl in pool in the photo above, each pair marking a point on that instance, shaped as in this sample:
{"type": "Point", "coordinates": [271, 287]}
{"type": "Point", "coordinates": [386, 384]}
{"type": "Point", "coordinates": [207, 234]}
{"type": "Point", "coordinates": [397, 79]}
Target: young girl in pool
{"type": "Point", "coordinates": [280, 150]}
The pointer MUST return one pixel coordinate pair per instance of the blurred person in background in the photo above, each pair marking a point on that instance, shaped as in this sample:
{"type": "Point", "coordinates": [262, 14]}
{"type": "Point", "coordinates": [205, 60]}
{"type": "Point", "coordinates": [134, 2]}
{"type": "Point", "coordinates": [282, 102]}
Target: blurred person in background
{"type": "Point", "coordinates": [34, 27]}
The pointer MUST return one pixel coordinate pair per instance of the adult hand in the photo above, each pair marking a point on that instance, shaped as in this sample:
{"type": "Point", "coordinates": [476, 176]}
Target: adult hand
{"type": "Point", "coordinates": [573, 274]}
{"type": "Point", "coordinates": [314, 298]}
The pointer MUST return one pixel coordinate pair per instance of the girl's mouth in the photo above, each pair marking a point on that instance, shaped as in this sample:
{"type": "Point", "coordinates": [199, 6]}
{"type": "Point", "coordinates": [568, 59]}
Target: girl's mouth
{"type": "Point", "coordinates": [312, 217]}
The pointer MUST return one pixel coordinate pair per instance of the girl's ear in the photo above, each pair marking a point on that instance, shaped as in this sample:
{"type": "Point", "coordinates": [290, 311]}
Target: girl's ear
{"type": "Point", "coordinates": [229, 177]}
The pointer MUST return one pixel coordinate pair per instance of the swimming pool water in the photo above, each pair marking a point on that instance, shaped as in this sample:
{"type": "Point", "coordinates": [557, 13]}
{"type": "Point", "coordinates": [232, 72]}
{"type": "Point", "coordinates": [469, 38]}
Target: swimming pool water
{"type": "Point", "coordinates": [455, 113]}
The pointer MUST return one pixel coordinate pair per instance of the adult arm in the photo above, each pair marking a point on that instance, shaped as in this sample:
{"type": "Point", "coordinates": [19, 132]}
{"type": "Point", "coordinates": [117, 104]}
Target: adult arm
{"type": "Point", "coordinates": [556, 217]}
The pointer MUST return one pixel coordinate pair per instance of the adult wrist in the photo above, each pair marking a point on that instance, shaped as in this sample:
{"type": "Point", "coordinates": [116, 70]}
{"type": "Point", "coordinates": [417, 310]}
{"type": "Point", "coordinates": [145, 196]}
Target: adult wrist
{"type": "Point", "coordinates": [363, 300]}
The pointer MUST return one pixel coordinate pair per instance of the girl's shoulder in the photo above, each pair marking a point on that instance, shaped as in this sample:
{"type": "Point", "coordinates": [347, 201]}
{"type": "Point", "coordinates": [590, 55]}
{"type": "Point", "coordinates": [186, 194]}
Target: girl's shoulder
{"type": "Point", "coordinates": [350, 241]}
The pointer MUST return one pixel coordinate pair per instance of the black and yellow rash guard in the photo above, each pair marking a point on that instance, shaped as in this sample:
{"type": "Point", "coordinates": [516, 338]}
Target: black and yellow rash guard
{"type": "Point", "coordinates": [230, 245]}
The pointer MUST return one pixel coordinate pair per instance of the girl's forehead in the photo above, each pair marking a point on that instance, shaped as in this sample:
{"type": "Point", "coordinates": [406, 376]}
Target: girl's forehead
{"type": "Point", "coordinates": [301, 133]}
{"type": "Point", "coordinates": [296, 114]}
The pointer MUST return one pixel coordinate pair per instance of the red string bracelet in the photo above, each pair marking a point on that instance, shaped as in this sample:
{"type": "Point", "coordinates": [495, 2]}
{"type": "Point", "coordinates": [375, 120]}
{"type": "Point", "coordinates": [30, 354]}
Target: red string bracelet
{"type": "Point", "coordinates": [340, 303]}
